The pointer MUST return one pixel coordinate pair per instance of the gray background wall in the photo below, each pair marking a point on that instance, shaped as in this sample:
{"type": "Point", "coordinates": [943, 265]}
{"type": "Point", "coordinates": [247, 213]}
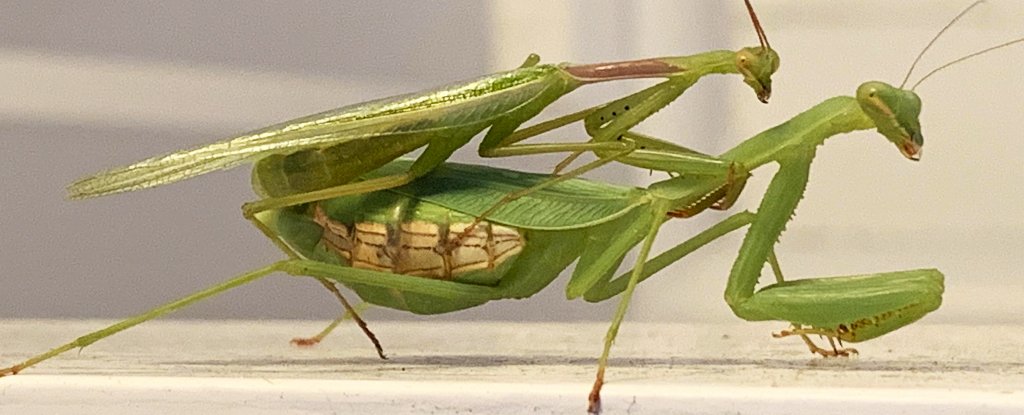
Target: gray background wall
{"type": "Point", "coordinates": [88, 86]}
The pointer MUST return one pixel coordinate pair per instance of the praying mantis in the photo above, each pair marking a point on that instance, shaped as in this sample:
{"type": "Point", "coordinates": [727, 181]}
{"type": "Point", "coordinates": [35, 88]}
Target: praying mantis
{"type": "Point", "coordinates": [577, 216]}
{"type": "Point", "coordinates": [853, 308]}
{"type": "Point", "coordinates": [363, 241]}
{"type": "Point", "coordinates": [324, 155]}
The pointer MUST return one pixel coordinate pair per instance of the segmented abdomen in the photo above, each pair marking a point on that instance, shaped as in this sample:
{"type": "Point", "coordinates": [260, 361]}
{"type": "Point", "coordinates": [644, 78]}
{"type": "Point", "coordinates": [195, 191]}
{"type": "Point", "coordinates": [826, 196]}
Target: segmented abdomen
{"type": "Point", "coordinates": [420, 248]}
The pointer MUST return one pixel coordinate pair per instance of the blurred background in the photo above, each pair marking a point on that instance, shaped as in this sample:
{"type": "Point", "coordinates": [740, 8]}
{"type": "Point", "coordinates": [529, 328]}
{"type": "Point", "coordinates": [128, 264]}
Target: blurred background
{"type": "Point", "coordinates": [90, 85]}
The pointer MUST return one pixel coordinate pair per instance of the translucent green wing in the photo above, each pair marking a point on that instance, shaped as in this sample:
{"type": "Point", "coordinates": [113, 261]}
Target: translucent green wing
{"type": "Point", "coordinates": [317, 131]}
{"type": "Point", "coordinates": [447, 108]}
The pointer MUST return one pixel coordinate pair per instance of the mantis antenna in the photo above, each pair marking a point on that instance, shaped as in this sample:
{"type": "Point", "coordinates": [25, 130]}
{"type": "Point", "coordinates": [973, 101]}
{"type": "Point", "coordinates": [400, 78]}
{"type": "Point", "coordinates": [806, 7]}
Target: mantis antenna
{"type": "Point", "coordinates": [958, 60]}
{"type": "Point", "coordinates": [932, 42]}
{"type": "Point", "coordinates": [757, 26]}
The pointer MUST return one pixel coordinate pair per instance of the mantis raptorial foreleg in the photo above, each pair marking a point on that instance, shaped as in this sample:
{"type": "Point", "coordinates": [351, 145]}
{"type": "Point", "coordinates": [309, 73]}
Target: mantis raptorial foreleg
{"type": "Point", "coordinates": [863, 306]}
{"type": "Point", "coordinates": [867, 305]}
{"type": "Point", "coordinates": [608, 126]}
{"type": "Point", "coordinates": [632, 110]}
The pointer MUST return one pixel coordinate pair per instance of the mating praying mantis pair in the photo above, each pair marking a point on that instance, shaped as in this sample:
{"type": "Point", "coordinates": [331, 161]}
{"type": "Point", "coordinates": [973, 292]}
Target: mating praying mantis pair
{"type": "Point", "coordinates": [457, 226]}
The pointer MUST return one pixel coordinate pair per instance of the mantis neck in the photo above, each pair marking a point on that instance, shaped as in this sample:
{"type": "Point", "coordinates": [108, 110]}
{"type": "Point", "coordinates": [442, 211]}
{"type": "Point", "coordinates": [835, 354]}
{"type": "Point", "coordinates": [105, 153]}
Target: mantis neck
{"type": "Point", "coordinates": [692, 67]}
{"type": "Point", "coordinates": [833, 116]}
{"type": "Point", "coordinates": [713, 62]}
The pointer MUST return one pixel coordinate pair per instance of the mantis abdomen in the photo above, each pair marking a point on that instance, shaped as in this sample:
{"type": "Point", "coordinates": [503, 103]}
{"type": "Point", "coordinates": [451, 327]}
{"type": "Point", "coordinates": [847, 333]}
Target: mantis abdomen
{"type": "Point", "coordinates": [393, 236]}
{"type": "Point", "coordinates": [430, 249]}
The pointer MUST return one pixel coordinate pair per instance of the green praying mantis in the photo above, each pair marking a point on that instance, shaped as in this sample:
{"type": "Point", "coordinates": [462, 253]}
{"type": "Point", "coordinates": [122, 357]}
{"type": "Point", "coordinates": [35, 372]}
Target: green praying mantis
{"type": "Point", "coordinates": [399, 248]}
{"type": "Point", "coordinates": [325, 155]}
{"type": "Point", "coordinates": [523, 245]}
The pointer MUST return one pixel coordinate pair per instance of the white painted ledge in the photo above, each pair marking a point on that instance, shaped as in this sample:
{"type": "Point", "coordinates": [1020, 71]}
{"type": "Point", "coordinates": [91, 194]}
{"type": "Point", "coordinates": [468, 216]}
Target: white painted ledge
{"type": "Point", "coordinates": [507, 368]}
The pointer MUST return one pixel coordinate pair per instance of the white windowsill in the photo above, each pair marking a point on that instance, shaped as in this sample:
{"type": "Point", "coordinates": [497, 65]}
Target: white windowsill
{"type": "Point", "coordinates": [499, 367]}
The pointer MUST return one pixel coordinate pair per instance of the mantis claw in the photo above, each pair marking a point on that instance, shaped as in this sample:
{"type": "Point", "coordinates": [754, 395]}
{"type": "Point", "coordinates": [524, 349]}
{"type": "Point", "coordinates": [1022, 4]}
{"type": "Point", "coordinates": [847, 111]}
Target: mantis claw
{"type": "Point", "coordinates": [594, 400]}
{"type": "Point", "coordinates": [305, 341]}
{"type": "Point", "coordinates": [796, 330]}
{"type": "Point", "coordinates": [11, 371]}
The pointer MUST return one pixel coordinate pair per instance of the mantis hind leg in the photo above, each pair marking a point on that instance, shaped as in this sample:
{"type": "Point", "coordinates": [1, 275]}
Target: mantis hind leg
{"type": "Point", "coordinates": [295, 267]}
{"type": "Point", "coordinates": [95, 336]}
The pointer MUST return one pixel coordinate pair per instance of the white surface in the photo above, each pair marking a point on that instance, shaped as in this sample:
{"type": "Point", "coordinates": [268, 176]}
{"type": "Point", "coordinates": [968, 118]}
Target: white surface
{"type": "Point", "coordinates": [498, 367]}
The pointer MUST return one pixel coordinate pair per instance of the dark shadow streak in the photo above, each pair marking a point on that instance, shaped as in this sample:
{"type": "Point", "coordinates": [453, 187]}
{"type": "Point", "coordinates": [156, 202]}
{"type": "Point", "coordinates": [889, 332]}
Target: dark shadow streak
{"type": "Point", "coordinates": [484, 361]}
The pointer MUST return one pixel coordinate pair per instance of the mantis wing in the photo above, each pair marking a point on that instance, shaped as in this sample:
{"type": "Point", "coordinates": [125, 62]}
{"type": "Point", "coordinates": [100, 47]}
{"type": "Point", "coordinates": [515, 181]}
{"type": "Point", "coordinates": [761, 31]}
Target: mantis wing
{"type": "Point", "coordinates": [475, 103]}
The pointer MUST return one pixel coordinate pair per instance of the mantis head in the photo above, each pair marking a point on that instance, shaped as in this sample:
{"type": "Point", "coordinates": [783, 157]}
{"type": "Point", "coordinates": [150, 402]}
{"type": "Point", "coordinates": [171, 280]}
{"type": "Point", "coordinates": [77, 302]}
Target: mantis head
{"type": "Point", "coordinates": [895, 112]}
{"type": "Point", "coordinates": [757, 65]}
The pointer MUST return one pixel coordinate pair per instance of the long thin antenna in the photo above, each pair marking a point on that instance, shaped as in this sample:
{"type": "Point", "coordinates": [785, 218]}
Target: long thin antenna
{"type": "Point", "coordinates": [932, 42]}
{"type": "Point", "coordinates": [757, 26]}
{"type": "Point", "coordinates": [956, 61]}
